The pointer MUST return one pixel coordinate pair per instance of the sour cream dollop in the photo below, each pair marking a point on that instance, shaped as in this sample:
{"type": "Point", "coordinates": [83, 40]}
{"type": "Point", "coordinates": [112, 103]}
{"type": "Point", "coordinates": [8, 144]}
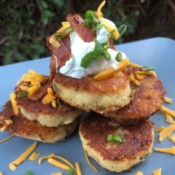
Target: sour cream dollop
{"type": "Point", "coordinates": [79, 49]}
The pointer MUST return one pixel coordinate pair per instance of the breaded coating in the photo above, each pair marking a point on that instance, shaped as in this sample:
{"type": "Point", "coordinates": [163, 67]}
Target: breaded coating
{"type": "Point", "coordinates": [23, 127]}
{"type": "Point", "coordinates": [146, 99]}
{"type": "Point", "coordinates": [114, 156]}
{"type": "Point", "coordinates": [93, 95]}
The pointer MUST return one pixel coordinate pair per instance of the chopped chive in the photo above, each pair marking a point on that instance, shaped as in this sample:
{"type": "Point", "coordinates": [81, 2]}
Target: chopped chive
{"type": "Point", "coordinates": [122, 29]}
{"type": "Point", "coordinates": [107, 55]}
{"type": "Point", "coordinates": [147, 68]}
{"type": "Point", "coordinates": [71, 171]}
{"type": "Point", "coordinates": [119, 57]}
{"type": "Point", "coordinates": [27, 172]}
{"type": "Point", "coordinates": [22, 94]}
{"type": "Point", "coordinates": [115, 138]}
{"type": "Point", "coordinates": [90, 19]}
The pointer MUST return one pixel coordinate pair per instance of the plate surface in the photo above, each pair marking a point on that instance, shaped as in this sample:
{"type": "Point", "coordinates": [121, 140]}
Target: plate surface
{"type": "Point", "coordinates": [156, 52]}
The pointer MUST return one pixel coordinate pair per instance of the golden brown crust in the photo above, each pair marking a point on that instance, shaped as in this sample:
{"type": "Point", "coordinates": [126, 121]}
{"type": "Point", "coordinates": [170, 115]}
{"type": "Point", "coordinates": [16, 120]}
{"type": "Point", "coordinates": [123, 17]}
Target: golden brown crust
{"type": "Point", "coordinates": [147, 98]}
{"type": "Point", "coordinates": [88, 84]}
{"type": "Point", "coordinates": [137, 138]}
{"type": "Point", "coordinates": [33, 130]}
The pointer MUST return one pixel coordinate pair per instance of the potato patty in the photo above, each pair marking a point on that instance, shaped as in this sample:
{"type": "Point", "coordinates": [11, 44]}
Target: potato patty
{"type": "Point", "coordinates": [96, 95]}
{"type": "Point", "coordinates": [116, 157]}
{"type": "Point", "coordinates": [23, 127]}
{"type": "Point", "coordinates": [146, 99]}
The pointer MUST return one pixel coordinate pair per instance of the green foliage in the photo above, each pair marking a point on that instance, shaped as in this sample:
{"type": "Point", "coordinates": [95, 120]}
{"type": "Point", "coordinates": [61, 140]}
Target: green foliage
{"type": "Point", "coordinates": [25, 25]}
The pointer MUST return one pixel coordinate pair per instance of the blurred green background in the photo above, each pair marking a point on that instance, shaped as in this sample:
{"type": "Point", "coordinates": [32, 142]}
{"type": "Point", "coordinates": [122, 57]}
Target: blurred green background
{"type": "Point", "coordinates": [25, 24]}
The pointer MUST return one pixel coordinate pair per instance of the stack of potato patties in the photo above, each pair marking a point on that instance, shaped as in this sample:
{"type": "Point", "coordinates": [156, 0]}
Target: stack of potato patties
{"type": "Point", "coordinates": [34, 112]}
{"type": "Point", "coordinates": [90, 74]}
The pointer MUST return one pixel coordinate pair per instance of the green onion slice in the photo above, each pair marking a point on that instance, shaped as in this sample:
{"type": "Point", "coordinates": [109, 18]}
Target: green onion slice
{"type": "Point", "coordinates": [27, 172]}
{"type": "Point", "coordinates": [22, 94]}
{"type": "Point", "coordinates": [147, 68]}
{"type": "Point", "coordinates": [90, 19]}
{"type": "Point", "coordinates": [119, 57]}
{"type": "Point", "coordinates": [122, 29]}
{"type": "Point", "coordinates": [71, 171]}
{"type": "Point", "coordinates": [115, 138]}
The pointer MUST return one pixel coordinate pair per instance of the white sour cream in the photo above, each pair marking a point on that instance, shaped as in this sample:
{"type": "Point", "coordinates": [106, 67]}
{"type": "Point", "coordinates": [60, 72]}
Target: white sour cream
{"type": "Point", "coordinates": [79, 49]}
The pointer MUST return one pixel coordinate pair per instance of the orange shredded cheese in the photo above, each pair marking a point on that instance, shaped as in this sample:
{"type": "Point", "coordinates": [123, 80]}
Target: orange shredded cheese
{"type": "Point", "coordinates": [135, 65]}
{"type": "Point", "coordinates": [58, 164]}
{"type": "Point", "coordinates": [49, 98]}
{"type": "Point", "coordinates": [8, 138]}
{"type": "Point", "coordinates": [167, 100]}
{"type": "Point", "coordinates": [110, 71]}
{"type": "Point", "coordinates": [22, 157]}
{"type": "Point", "coordinates": [78, 169]}
{"type": "Point", "coordinates": [1, 173]}
{"type": "Point", "coordinates": [65, 26]}
{"type": "Point", "coordinates": [139, 173]}
{"type": "Point", "coordinates": [132, 78]}
{"type": "Point", "coordinates": [157, 172]}
{"type": "Point", "coordinates": [89, 163]}
{"type": "Point", "coordinates": [168, 111]}
{"type": "Point", "coordinates": [166, 132]}
{"type": "Point", "coordinates": [151, 73]}
{"type": "Point", "coordinates": [14, 103]}
{"type": "Point", "coordinates": [34, 156]}
{"type": "Point", "coordinates": [166, 150]}
{"type": "Point", "coordinates": [99, 13]}
{"type": "Point", "coordinates": [59, 173]}
{"type": "Point", "coordinates": [140, 77]}
{"type": "Point", "coordinates": [169, 118]}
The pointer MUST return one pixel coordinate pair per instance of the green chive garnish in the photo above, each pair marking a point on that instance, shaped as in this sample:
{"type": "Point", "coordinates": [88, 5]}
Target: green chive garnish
{"type": "Point", "coordinates": [22, 94]}
{"type": "Point", "coordinates": [71, 171]}
{"type": "Point", "coordinates": [122, 29]}
{"type": "Point", "coordinates": [90, 19]}
{"type": "Point", "coordinates": [27, 172]}
{"type": "Point", "coordinates": [115, 138]}
{"type": "Point", "coordinates": [119, 57]}
{"type": "Point", "coordinates": [147, 68]}
{"type": "Point", "coordinates": [107, 55]}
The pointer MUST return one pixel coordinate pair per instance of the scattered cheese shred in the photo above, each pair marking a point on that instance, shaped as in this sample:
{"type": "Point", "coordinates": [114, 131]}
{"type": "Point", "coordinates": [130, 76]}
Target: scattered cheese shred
{"type": "Point", "coordinates": [140, 77]}
{"type": "Point", "coordinates": [135, 65]}
{"type": "Point", "coordinates": [34, 156]}
{"type": "Point", "coordinates": [65, 26]}
{"type": "Point", "coordinates": [168, 111]}
{"type": "Point", "coordinates": [169, 118]}
{"type": "Point", "coordinates": [99, 13]}
{"type": "Point", "coordinates": [139, 173]}
{"type": "Point", "coordinates": [157, 172]}
{"type": "Point", "coordinates": [166, 132]}
{"type": "Point", "coordinates": [167, 100]}
{"type": "Point", "coordinates": [53, 41]}
{"type": "Point", "coordinates": [8, 138]}
{"type": "Point", "coordinates": [132, 78]}
{"type": "Point", "coordinates": [58, 164]}
{"type": "Point", "coordinates": [22, 157]}
{"type": "Point", "coordinates": [1, 173]}
{"type": "Point", "coordinates": [59, 173]}
{"type": "Point", "coordinates": [78, 169]}
{"type": "Point", "coordinates": [151, 73]}
{"type": "Point", "coordinates": [14, 103]}
{"type": "Point", "coordinates": [109, 72]}
{"type": "Point", "coordinates": [166, 150]}
{"type": "Point", "coordinates": [89, 163]}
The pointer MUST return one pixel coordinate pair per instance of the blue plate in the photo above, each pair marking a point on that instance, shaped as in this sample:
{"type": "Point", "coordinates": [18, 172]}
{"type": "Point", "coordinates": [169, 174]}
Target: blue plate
{"type": "Point", "coordinates": [157, 52]}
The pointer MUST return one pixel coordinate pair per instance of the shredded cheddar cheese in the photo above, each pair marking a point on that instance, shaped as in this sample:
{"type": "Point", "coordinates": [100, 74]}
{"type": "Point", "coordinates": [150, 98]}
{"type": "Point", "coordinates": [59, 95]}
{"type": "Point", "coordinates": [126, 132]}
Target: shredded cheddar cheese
{"type": "Point", "coordinates": [166, 150]}
{"type": "Point", "coordinates": [135, 65]}
{"type": "Point", "coordinates": [110, 71]}
{"type": "Point", "coordinates": [65, 26]}
{"type": "Point", "coordinates": [1, 173]}
{"type": "Point", "coordinates": [22, 157]}
{"type": "Point", "coordinates": [166, 132]}
{"type": "Point", "coordinates": [78, 169]}
{"type": "Point", "coordinates": [99, 13]}
{"type": "Point", "coordinates": [14, 103]}
{"type": "Point", "coordinates": [167, 100]}
{"type": "Point", "coordinates": [6, 139]}
{"type": "Point", "coordinates": [59, 173]}
{"type": "Point", "coordinates": [58, 164]}
{"type": "Point", "coordinates": [139, 173]}
{"type": "Point", "coordinates": [168, 111]}
{"type": "Point", "coordinates": [132, 78]}
{"type": "Point", "coordinates": [54, 42]}
{"type": "Point", "coordinates": [157, 172]}
{"type": "Point", "coordinates": [89, 163]}
{"type": "Point", "coordinates": [150, 73]}
{"type": "Point", "coordinates": [169, 118]}
{"type": "Point", "coordinates": [34, 156]}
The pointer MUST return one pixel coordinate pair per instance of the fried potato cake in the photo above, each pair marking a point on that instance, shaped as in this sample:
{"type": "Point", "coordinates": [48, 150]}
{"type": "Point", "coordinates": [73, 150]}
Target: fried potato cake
{"type": "Point", "coordinates": [93, 95]}
{"type": "Point", "coordinates": [23, 127]}
{"type": "Point", "coordinates": [146, 99]}
{"type": "Point", "coordinates": [115, 156]}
